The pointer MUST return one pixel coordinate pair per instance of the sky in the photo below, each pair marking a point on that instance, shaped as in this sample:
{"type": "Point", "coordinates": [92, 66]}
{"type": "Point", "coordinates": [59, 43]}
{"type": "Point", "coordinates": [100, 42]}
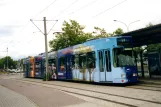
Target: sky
{"type": "Point", "coordinates": [23, 39]}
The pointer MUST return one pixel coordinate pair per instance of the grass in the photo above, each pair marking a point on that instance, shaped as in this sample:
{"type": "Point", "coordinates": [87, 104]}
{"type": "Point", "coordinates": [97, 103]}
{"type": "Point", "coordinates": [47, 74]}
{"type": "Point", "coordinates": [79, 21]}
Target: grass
{"type": "Point", "coordinates": [1, 72]}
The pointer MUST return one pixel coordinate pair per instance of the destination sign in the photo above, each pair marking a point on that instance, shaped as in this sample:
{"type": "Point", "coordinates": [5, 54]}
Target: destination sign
{"type": "Point", "coordinates": [124, 41]}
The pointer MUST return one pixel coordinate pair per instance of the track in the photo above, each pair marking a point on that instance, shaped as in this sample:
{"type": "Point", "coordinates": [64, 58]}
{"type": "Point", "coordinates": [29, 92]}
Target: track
{"type": "Point", "coordinates": [97, 92]}
{"type": "Point", "coordinates": [146, 87]}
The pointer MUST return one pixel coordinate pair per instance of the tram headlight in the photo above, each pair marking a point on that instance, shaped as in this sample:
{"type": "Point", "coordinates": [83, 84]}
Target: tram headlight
{"type": "Point", "coordinates": [123, 75]}
{"type": "Point", "coordinates": [134, 74]}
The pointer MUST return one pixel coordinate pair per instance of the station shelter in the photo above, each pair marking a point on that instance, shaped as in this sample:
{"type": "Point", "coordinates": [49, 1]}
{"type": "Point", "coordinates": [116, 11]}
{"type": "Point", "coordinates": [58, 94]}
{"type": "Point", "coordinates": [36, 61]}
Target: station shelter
{"type": "Point", "coordinates": [147, 37]}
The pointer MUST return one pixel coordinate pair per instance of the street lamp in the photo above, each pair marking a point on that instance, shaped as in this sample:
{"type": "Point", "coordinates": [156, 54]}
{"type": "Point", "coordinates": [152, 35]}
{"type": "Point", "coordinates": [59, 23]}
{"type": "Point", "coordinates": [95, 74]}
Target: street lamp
{"type": "Point", "coordinates": [127, 26]}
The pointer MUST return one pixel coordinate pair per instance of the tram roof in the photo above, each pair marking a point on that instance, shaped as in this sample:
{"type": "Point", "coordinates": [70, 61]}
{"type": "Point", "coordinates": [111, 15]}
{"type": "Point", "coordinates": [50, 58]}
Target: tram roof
{"type": "Point", "coordinates": [145, 36]}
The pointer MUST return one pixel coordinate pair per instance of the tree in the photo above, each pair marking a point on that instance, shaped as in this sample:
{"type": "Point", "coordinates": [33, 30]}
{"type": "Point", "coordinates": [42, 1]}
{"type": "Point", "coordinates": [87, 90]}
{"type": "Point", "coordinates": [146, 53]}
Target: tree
{"type": "Point", "coordinates": [11, 63]}
{"type": "Point", "coordinates": [72, 34]}
{"type": "Point", "coordinates": [101, 32]}
{"type": "Point", "coordinates": [149, 25]}
{"type": "Point", "coordinates": [118, 32]}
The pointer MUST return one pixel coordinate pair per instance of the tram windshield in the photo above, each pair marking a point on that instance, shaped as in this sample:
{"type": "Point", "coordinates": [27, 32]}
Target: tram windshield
{"type": "Point", "coordinates": [123, 57]}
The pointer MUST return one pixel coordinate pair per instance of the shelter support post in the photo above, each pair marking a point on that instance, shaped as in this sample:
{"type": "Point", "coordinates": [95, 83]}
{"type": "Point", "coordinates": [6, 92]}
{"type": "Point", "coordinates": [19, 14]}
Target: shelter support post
{"type": "Point", "coordinates": [141, 60]}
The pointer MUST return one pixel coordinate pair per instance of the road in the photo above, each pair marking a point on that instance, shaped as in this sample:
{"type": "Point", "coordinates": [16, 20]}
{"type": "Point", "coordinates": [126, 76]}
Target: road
{"type": "Point", "coordinates": [69, 94]}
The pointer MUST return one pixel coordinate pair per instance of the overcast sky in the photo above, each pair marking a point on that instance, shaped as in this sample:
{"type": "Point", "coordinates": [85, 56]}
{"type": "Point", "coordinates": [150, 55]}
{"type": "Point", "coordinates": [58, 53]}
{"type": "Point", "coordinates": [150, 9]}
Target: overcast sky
{"type": "Point", "coordinates": [23, 39]}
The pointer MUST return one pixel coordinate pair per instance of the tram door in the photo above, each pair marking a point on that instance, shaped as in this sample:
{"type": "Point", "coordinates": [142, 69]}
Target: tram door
{"type": "Point", "coordinates": [68, 67]}
{"type": "Point", "coordinates": [104, 64]}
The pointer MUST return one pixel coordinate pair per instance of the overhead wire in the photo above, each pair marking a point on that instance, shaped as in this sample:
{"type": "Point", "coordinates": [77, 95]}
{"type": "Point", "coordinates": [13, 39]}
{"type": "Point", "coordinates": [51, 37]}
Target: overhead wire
{"type": "Point", "coordinates": [71, 12]}
{"type": "Point", "coordinates": [61, 12]}
{"type": "Point", "coordinates": [67, 7]}
{"type": "Point", "coordinates": [52, 27]}
{"type": "Point", "coordinates": [79, 9]}
{"type": "Point", "coordinates": [19, 32]}
{"type": "Point", "coordinates": [47, 6]}
{"type": "Point", "coordinates": [29, 20]}
{"type": "Point", "coordinates": [109, 8]}
{"type": "Point", "coordinates": [84, 6]}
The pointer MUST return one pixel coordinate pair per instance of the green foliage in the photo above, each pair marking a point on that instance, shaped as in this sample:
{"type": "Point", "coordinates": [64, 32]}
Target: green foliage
{"type": "Point", "coordinates": [154, 46]}
{"type": "Point", "coordinates": [138, 49]}
{"type": "Point", "coordinates": [118, 32]}
{"type": "Point", "coordinates": [11, 63]}
{"type": "Point", "coordinates": [99, 33]}
{"type": "Point", "coordinates": [2, 72]}
{"type": "Point", "coordinates": [149, 25]}
{"type": "Point", "coordinates": [73, 34]}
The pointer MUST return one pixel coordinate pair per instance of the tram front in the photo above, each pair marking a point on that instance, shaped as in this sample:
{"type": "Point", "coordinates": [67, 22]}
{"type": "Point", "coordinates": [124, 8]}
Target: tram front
{"type": "Point", "coordinates": [124, 60]}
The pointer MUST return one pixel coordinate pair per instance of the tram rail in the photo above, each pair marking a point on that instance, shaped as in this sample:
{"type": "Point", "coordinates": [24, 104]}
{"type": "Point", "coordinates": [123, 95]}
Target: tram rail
{"type": "Point", "coordinates": [96, 92]}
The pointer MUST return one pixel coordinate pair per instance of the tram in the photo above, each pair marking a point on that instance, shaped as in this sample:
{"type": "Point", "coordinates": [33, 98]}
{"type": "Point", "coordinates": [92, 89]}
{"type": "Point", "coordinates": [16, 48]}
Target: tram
{"type": "Point", "coordinates": [103, 60]}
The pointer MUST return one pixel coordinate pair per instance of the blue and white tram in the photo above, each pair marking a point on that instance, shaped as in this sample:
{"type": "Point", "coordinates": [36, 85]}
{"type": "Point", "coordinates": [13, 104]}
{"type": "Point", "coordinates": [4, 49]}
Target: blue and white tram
{"type": "Point", "coordinates": [104, 60]}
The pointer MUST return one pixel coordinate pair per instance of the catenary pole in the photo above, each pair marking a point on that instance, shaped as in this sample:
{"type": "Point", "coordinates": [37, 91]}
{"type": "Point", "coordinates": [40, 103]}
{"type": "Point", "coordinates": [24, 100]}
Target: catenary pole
{"type": "Point", "coordinates": [46, 46]}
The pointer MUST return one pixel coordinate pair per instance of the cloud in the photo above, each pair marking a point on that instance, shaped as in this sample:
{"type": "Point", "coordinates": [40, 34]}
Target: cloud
{"type": "Point", "coordinates": [8, 30]}
{"type": "Point", "coordinates": [22, 42]}
{"type": "Point", "coordinates": [4, 31]}
{"type": "Point", "coordinates": [2, 3]}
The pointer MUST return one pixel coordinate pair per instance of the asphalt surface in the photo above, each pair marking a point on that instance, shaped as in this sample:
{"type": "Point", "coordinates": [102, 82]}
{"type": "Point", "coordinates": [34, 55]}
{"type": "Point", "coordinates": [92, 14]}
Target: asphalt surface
{"type": "Point", "coordinates": [9, 98]}
{"type": "Point", "coordinates": [69, 94]}
{"type": "Point", "coordinates": [42, 96]}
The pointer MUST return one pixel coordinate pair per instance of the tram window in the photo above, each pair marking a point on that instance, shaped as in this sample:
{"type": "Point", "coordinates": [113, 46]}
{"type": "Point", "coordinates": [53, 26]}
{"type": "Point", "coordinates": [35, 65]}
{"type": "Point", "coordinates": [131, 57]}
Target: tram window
{"type": "Point", "coordinates": [62, 61]}
{"type": "Point", "coordinates": [44, 63]}
{"type": "Point", "coordinates": [116, 53]}
{"type": "Point", "coordinates": [123, 57]}
{"type": "Point", "coordinates": [91, 60]}
{"type": "Point", "coordinates": [82, 61]}
{"type": "Point", "coordinates": [76, 61]}
{"type": "Point", "coordinates": [101, 61]}
{"type": "Point", "coordinates": [37, 65]}
{"type": "Point", "coordinates": [52, 61]}
{"type": "Point", "coordinates": [30, 66]}
{"type": "Point", "coordinates": [72, 61]}
{"type": "Point", "coordinates": [108, 61]}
